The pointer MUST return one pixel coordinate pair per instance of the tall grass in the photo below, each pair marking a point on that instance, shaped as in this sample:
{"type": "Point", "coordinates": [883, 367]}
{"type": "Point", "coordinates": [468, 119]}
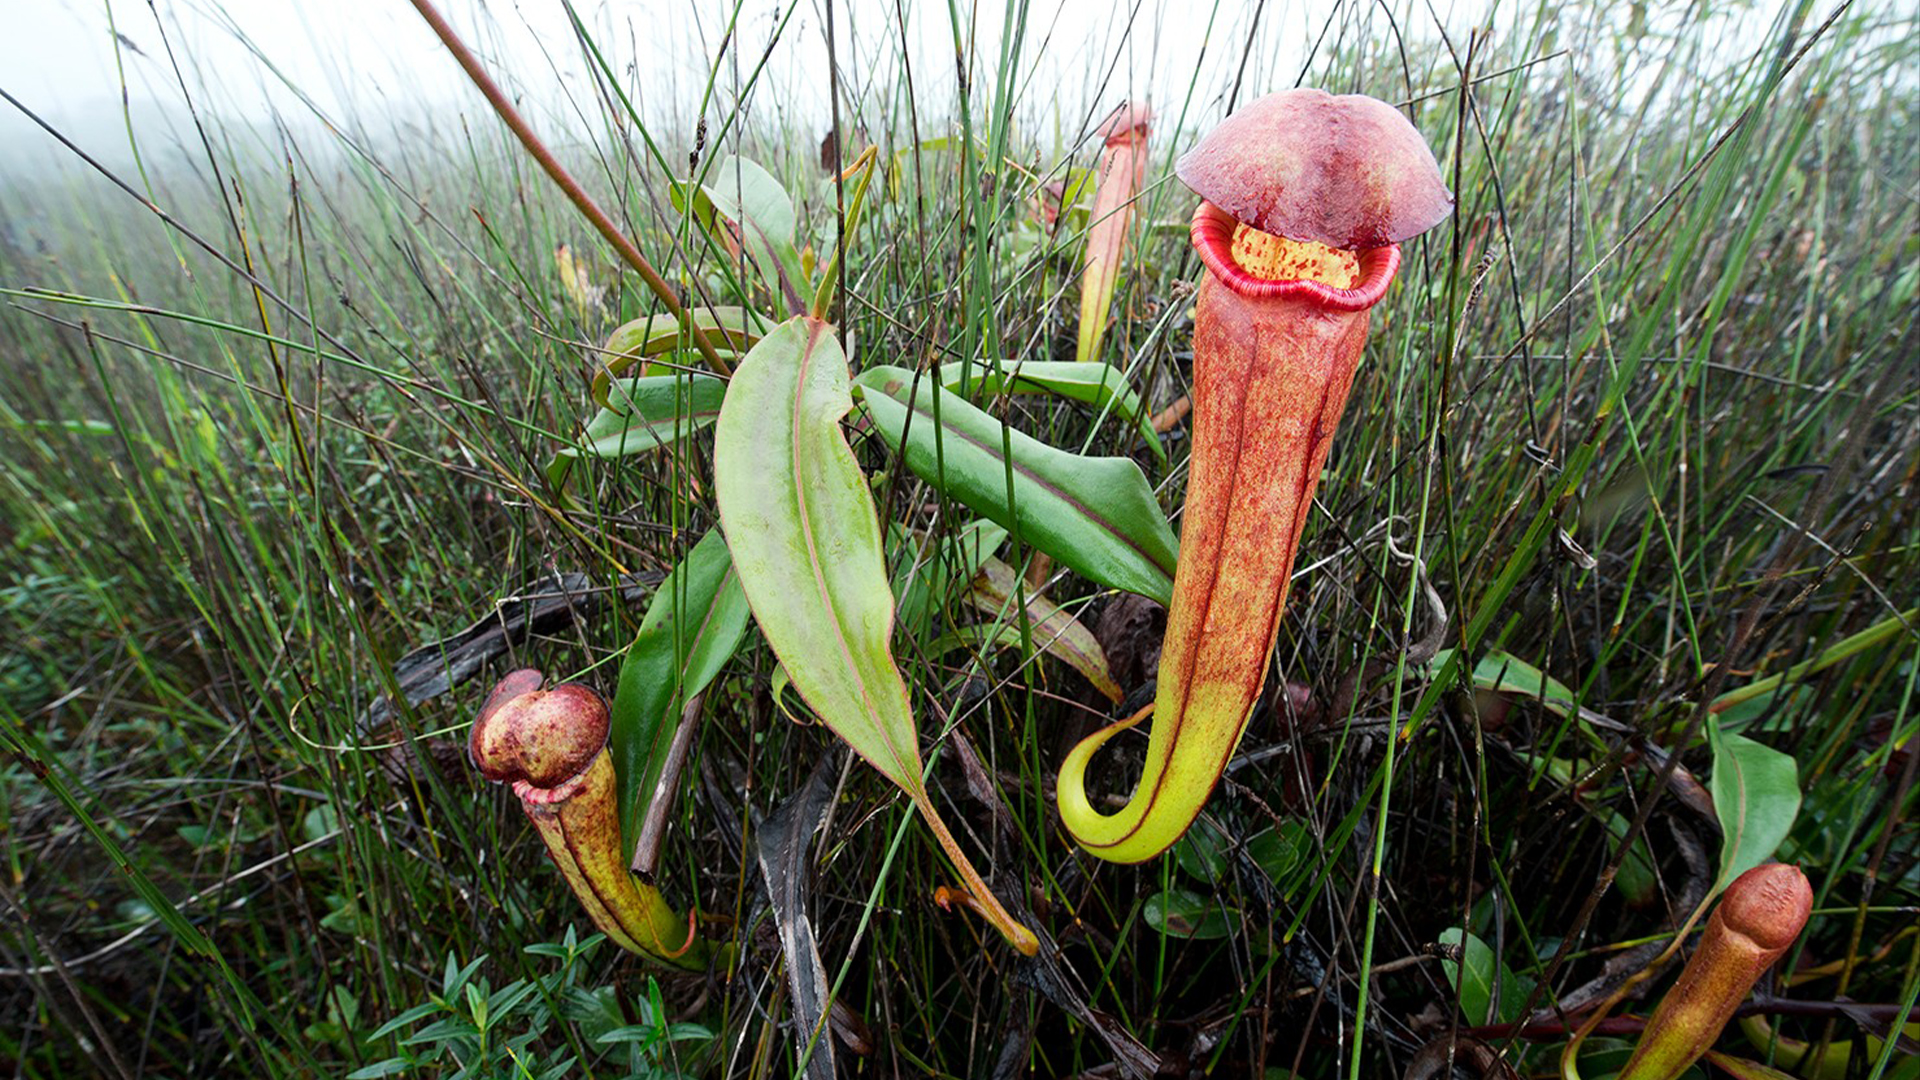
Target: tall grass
{"type": "Point", "coordinates": [1646, 415]}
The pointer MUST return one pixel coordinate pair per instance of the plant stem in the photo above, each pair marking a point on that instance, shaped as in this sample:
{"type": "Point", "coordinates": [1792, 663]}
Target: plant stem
{"type": "Point", "coordinates": [567, 184]}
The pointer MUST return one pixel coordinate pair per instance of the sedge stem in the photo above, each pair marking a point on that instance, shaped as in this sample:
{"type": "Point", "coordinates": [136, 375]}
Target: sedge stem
{"type": "Point", "coordinates": [578, 195]}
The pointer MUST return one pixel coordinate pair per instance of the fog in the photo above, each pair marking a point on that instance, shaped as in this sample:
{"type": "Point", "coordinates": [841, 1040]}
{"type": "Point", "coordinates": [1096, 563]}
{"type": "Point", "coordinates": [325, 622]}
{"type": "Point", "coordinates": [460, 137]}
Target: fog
{"type": "Point", "coordinates": [374, 61]}
{"type": "Point", "coordinates": [374, 70]}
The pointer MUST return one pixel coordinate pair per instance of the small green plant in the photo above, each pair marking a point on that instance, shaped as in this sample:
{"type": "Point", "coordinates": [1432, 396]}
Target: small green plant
{"type": "Point", "coordinates": [536, 1029]}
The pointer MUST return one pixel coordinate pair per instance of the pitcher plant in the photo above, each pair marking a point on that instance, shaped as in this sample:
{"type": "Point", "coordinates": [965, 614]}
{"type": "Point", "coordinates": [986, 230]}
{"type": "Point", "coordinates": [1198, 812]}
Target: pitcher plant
{"type": "Point", "coordinates": [1306, 198]}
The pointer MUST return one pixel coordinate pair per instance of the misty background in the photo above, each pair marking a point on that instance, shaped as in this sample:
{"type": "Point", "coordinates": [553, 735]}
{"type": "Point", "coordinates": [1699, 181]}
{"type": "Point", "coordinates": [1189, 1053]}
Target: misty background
{"type": "Point", "coordinates": [371, 67]}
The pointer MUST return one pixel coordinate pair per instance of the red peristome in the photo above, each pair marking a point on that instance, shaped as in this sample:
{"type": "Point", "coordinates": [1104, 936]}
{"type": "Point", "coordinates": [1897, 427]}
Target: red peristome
{"type": "Point", "coordinates": [565, 791]}
{"type": "Point", "coordinates": [1212, 235]}
{"type": "Point", "coordinates": [1349, 171]}
{"type": "Point", "coordinates": [1129, 123]}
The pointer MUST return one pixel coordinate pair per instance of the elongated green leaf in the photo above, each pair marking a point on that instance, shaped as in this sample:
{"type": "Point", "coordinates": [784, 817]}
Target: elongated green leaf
{"type": "Point", "coordinates": [644, 414]}
{"type": "Point", "coordinates": [1756, 793]}
{"type": "Point", "coordinates": [1887, 629]}
{"type": "Point", "coordinates": [731, 330]}
{"type": "Point", "coordinates": [799, 519]}
{"type": "Point", "coordinates": [691, 629]}
{"type": "Point", "coordinates": [71, 427]}
{"type": "Point", "coordinates": [650, 412]}
{"type": "Point", "coordinates": [1096, 515]}
{"type": "Point", "coordinates": [1508, 674]}
{"type": "Point", "coordinates": [1745, 1069]}
{"type": "Point", "coordinates": [1055, 631]}
{"type": "Point", "coordinates": [763, 221]}
{"type": "Point", "coordinates": [1098, 384]}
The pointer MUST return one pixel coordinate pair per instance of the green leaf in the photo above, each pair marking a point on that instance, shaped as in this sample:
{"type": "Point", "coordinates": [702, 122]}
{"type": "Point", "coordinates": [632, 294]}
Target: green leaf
{"type": "Point", "coordinates": [1202, 852]}
{"type": "Point", "coordinates": [763, 223]}
{"type": "Point", "coordinates": [799, 518]}
{"type": "Point", "coordinates": [1473, 978]}
{"type": "Point", "coordinates": [1472, 975]}
{"type": "Point", "coordinates": [1756, 793]}
{"type": "Point", "coordinates": [1185, 914]}
{"type": "Point", "coordinates": [1887, 629]}
{"type": "Point", "coordinates": [1637, 880]}
{"type": "Point", "coordinates": [1508, 674]}
{"type": "Point", "coordinates": [411, 1016]}
{"type": "Point", "coordinates": [691, 629]}
{"type": "Point", "coordinates": [1780, 707]}
{"type": "Point", "coordinates": [1098, 384]}
{"type": "Point", "coordinates": [456, 976]}
{"type": "Point", "coordinates": [71, 427]}
{"type": "Point", "coordinates": [321, 821]}
{"type": "Point", "coordinates": [643, 414]}
{"type": "Point", "coordinates": [1744, 1069]}
{"type": "Point", "coordinates": [1077, 192]}
{"type": "Point", "coordinates": [1281, 852]}
{"type": "Point", "coordinates": [1095, 515]}
{"type": "Point", "coordinates": [651, 412]}
{"type": "Point", "coordinates": [731, 330]}
{"type": "Point", "coordinates": [800, 521]}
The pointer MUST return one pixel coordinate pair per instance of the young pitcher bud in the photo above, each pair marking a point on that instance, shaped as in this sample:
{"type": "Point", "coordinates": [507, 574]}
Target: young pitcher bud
{"type": "Point", "coordinates": [1759, 917]}
{"type": "Point", "coordinates": [551, 745]}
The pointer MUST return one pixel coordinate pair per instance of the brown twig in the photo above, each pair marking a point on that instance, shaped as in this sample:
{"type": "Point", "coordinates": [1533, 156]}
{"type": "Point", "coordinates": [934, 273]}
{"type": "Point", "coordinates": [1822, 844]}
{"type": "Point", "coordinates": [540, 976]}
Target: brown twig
{"type": "Point", "coordinates": [581, 200]}
{"type": "Point", "coordinates": [1556, 1030]}
{"type": "Point", "coordinates": [660, 804]}
{"type": "Point", "coordinates": [1165, 419]}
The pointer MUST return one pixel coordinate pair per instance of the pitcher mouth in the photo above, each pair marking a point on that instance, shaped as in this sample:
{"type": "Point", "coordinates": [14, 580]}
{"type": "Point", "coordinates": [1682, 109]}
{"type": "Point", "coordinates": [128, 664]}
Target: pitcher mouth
{"type": "Point", "coordinates": [1213, 231]}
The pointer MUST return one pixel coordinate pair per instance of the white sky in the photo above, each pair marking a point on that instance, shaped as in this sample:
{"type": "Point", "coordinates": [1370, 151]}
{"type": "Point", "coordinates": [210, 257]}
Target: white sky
{"type": "Point", "coordinates": [374, 62]}
{"type": "Point", "coordinates": [352, 56]}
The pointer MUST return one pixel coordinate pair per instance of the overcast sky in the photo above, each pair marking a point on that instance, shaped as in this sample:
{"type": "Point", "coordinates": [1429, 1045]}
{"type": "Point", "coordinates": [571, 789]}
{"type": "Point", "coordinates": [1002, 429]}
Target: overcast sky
{"type": "Point", "coordinates": [58, 56]}
{"type": "Point", "coordinates": [375, 59]}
